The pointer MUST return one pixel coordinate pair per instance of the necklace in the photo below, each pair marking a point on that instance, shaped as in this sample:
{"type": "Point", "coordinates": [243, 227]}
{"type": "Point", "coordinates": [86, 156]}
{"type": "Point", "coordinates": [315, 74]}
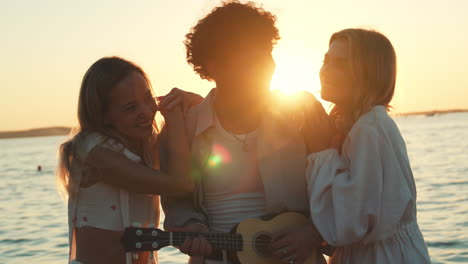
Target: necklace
{"type": "Point", "coordinates": [243, 138]}
{"type": "Point", "coordinates": [243, 141]}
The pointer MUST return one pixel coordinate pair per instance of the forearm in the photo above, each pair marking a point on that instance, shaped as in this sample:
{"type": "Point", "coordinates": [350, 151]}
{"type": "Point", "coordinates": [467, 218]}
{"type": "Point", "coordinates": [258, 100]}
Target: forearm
{"type": "Point", "coordinates": [142, 180]}
{"type": "Point", "coordinates": [178, 150]}
{"type": "Point", "coordinates": [115, 169]}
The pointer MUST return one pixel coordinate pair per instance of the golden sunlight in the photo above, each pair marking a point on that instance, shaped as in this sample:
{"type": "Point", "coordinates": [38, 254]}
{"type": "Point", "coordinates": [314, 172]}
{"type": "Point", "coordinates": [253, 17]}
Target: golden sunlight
{"type": "Point", "coordinates": [294, 74]}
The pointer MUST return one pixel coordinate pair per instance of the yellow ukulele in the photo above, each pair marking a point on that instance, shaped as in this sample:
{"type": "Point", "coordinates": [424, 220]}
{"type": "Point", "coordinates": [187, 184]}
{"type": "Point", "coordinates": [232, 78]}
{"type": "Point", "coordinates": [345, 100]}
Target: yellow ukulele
{"type": "Point", "coordinates": [250, 241]}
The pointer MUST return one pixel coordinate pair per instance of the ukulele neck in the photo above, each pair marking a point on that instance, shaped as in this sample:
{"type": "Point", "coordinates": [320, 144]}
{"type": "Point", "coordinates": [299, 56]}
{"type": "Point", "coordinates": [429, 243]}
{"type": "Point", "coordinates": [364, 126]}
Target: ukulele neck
{"type": "Point", "coordinates": [232, 242]}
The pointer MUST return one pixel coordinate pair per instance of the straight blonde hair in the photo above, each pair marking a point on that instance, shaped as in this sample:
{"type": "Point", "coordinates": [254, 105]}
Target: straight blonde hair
{"type": "Point", "coordinates": [93, 103]}
{"type": "Point", "coordinates": [372, 61]}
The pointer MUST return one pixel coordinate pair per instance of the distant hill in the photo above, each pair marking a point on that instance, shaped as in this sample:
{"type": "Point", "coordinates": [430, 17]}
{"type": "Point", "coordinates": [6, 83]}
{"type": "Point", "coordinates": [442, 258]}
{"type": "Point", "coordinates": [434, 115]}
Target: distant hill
{"type": "Point", "coordinates": [37, 132]}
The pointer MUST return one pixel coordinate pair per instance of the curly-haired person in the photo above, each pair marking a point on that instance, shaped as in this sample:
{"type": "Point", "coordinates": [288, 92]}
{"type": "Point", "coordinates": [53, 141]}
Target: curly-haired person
{"type": "Point", "coordinates": [249, 161]}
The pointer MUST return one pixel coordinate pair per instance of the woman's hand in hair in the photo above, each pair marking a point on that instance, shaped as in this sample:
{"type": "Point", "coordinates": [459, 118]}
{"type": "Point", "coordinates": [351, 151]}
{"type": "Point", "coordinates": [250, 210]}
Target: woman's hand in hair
{"type": "Point", "coordinates": [179, 97]}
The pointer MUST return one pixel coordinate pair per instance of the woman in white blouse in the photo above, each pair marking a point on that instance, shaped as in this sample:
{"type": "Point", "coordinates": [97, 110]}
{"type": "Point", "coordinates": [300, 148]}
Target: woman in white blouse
{"type": "Point", "coordinates": [361, 188]}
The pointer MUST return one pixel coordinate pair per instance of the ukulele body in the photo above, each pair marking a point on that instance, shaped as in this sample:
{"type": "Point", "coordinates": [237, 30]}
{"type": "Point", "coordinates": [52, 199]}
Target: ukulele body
{"type": "Point", "coordinates": [259, 232]}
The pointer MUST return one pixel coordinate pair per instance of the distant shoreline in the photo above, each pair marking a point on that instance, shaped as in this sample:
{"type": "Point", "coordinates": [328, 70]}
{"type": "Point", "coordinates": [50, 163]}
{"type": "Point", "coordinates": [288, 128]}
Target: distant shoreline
{"type": "Point", "coordinates": [36, 132]}
{"type": "Point", "coordinates": [63, 131]}
{"type": "Point", "coordinates": [431, 113]}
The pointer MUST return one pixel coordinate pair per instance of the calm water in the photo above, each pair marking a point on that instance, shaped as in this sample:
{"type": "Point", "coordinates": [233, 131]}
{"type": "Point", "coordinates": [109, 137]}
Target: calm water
{"type": "Point", "coordinates": [33, 222]}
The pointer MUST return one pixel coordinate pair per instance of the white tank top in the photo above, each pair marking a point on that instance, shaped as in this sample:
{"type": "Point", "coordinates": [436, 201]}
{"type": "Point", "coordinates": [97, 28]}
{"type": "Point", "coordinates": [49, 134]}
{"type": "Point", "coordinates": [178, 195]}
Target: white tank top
{"type": "Point", "coordinates": [232, 186]}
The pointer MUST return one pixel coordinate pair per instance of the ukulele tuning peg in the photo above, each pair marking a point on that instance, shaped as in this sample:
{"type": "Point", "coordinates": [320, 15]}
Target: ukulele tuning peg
{"type": "Point", "coordinates": [138, 245]}
{"type": "Point", "coordinates": [154, 233]}
{"type": "Point", "coordinates": [139, 232]}
{"type": "Point", "coordinates": [154, 245]}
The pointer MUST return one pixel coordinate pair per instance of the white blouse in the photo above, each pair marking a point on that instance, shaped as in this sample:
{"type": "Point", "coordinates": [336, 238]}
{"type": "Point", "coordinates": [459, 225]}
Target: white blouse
{"type": "Point", "coordinates": [364, 201]}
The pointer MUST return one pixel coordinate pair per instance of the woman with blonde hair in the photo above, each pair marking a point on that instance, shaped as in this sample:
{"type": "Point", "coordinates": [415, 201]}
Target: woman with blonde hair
{"type": "Point", "coordinates": [360, 183]}
{"type": "Point", "coordinates": [110, 165]}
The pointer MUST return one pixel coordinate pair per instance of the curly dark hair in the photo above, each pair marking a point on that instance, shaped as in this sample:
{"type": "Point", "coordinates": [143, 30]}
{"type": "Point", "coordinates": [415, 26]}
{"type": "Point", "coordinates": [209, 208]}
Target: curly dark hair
{"type": "Point", "coordinates": [224, 29]}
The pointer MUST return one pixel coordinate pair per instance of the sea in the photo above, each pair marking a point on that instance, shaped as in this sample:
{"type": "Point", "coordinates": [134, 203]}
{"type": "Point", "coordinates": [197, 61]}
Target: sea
{"type": "Point", "coordinates": [33, 217]}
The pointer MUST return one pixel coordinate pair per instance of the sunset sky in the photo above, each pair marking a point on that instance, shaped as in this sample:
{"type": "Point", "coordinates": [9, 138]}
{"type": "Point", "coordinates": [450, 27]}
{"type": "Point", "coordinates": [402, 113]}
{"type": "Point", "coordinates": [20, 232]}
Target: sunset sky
{"type": "Point", "coordinates": [46, 47]}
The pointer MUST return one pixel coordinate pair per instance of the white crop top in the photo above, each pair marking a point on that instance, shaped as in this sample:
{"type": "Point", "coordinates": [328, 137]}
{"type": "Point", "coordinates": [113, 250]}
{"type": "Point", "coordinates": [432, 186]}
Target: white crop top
{"type": "Point", "coordinates": [105, 206]}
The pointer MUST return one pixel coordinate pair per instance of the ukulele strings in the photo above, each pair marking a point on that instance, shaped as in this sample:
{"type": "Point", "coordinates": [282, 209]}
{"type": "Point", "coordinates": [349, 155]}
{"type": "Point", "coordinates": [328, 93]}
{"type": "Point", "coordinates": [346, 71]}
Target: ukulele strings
{"type": "Point", "coordinates": [233, 241]}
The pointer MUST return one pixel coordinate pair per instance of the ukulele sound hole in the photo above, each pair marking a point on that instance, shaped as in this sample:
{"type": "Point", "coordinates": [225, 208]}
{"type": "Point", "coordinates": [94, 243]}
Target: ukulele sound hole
{"type": "Point", "coordinates": [261, 243]}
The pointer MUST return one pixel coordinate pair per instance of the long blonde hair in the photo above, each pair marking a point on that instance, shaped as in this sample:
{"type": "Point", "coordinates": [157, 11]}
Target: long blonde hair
{"type": "Point", "coordinates": [93, 103]}
{"type": "Point", "coordinates": [372, 61]}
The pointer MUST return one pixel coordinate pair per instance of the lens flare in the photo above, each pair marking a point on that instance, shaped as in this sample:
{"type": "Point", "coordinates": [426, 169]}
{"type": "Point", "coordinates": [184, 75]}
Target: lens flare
{"type": "Point", "coordinates": [219, 155]}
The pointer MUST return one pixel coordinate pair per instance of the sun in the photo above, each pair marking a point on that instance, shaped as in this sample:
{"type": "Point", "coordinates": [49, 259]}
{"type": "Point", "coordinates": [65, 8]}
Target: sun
{"type": "Point", "coordinates": [291, 80]}
{"type": "Point", "coordinates": [294, 74]}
